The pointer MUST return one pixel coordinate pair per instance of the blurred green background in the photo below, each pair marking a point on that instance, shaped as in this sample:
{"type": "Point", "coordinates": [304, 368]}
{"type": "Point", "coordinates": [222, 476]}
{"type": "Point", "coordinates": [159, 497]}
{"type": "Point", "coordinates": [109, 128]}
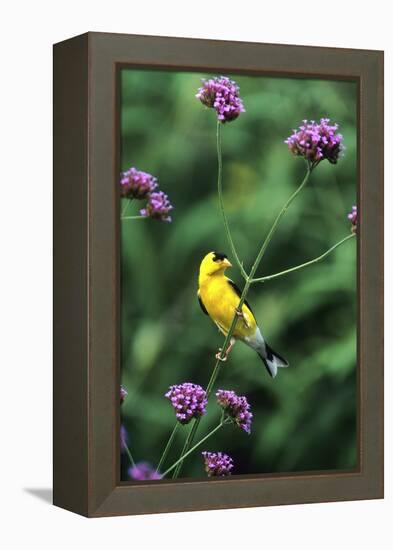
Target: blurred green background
{"type": "Point", "coordinates": [305, 419]}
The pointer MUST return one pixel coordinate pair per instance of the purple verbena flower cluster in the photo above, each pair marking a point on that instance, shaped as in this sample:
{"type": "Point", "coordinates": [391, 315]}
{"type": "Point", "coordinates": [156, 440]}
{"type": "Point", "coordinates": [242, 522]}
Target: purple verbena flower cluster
{"type": "Point", "coordinates": [217, 464]}
{"type": "Point", "coordinates": [158, 207]}
{"type": "Point", "coordinates": [135, 184]}
{"type": "Point", "coordinates": [222, 94]}
{"type": "Point", "coordinates": [236, 407]}
{"type": "Point", "coordinates": [123, 394]}
{"type": "Point", "coordinates": [188, 400]}
{"type": "Point", "coordinates": [143, 471]}
{"type": "Point", "coordinates": [353, 218]}
{"type": "Point", "coordinates": [316, 141]}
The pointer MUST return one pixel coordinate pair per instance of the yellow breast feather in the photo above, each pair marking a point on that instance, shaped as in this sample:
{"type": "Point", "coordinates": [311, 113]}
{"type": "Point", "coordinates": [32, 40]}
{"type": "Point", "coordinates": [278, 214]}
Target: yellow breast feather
{"type": "Point", "coordinates": [220, 300]}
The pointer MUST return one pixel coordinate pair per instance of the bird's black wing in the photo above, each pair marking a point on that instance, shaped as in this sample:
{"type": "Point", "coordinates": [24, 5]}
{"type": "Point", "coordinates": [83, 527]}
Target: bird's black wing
{"type": "Point", "coordinates": [202, 305]}
{"type": "Point", "coordinates": [239, 293]}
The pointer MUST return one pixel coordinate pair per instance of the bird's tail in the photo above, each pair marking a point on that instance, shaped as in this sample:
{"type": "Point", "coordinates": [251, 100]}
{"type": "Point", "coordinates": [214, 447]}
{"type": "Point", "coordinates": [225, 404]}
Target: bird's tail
{"type": "Point", "coordinates": [272, 361]}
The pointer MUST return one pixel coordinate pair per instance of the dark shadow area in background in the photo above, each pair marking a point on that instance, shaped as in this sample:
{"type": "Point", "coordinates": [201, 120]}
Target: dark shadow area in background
{"type": "Point", "coordinates": [43, 494]}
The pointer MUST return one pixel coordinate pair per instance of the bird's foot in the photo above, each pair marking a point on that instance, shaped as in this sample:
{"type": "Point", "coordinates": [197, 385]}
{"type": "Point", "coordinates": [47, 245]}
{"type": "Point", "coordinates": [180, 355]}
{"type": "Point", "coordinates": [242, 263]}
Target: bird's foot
{"type": "Point", "coordinates": [241, 315]}
{"type": "Point", "coordinates": [218, 356]}
{"type": "Point", "coordinates": [227, 352]}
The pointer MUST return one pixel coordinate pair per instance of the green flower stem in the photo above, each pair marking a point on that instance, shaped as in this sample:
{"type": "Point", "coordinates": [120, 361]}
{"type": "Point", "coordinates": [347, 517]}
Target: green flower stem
{"type": "Point", "coordinates": [128, 452]}
{"type": "Point", "coordinates": [194, 447]}
{"type": "Point", "coordinates": [168, 446]}
{"type": "Point", "coordinates": [123, 217]}
{"type": "Point", "coordinates": [250, 279]}
{"type": "Point", "coordinates": [221, 203]}
{"type": "Point", "coordinates": [243, 296]}
{"type": "Point", "coordinates": [277, 221]}
{"type": "Point", "coordinates": [306, 264]}
{"type": "Point", "coordinates": [128, 202]}
{"type": "Point", "coordinates": [186, 446]}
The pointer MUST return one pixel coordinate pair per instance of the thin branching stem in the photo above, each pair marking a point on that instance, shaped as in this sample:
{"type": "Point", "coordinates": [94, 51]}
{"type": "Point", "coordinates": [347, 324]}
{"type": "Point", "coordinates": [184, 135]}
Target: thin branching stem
{"type": "Point", "coordinates": [221, 203]}
{"type": "Point", "coordinates": [276, 222]}
{"type": "Point", "coordinates": [243, 296]}
{"type": "Point", "coordinates": [128, 452]}
{"type": "Point", "coordinates": [249, 280]}
{"type": "Point", "coordinates": [186, 446]}
{"type": "Point", "coordinates": [306, 264]}
{"type": "Point", "coordinates": [167, 447]}
{"type": "Point", "coordinates": [180, 460]}
{"type": "Point", "coordinates": [124, 217]}
{"type": "Point", "coordinates": [128, 202]}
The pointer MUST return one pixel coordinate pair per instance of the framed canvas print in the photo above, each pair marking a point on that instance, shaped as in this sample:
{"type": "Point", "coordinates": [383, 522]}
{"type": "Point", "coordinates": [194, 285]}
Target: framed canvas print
{"type": "Point", "coordinates": [218, 274]}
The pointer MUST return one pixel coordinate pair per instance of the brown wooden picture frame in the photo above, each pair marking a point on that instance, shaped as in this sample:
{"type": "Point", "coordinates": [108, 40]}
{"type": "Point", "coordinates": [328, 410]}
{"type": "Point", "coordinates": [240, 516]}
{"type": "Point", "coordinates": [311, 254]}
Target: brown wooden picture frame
{"type": "Point", "coordinates": [86, 274]}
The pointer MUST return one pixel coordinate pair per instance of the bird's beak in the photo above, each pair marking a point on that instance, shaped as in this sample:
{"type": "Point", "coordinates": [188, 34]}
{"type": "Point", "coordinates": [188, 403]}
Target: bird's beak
{"type": "Point", "coordinates": [226, 263]}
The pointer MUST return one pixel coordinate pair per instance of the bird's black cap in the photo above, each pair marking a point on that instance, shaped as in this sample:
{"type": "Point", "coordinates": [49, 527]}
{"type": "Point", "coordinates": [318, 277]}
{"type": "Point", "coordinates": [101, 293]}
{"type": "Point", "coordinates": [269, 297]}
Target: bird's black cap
{"type": "Point", "coordinates": [219, 256]}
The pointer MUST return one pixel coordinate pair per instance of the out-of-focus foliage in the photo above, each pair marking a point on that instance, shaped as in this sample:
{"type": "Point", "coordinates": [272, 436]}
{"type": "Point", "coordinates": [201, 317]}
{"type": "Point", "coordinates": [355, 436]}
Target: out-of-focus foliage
{"type": "Point", "coordinates": [305, 419]}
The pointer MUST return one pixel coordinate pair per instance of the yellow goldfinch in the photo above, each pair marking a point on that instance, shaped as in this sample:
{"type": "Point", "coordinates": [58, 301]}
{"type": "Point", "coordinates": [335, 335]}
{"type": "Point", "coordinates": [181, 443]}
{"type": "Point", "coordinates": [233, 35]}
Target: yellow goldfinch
{"type": "Point", "coordinates": [219, 298]}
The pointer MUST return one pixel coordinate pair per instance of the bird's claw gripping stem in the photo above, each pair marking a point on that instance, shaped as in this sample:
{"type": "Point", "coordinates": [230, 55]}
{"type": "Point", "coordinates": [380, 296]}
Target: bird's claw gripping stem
{"type": "Point", "coordinates": [241, 315]}
{"type": "Point", "coordinates": [227, 352]}
{"type": "Point", "coordinates": [218, 356]}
